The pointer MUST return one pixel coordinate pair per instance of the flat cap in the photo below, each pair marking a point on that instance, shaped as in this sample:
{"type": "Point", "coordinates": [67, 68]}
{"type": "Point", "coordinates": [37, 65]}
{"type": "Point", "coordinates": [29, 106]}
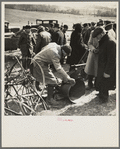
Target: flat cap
{"type": "Point", "coordinates": [97, 31]}
{"type": "Point", "coordinates": [41, 28]}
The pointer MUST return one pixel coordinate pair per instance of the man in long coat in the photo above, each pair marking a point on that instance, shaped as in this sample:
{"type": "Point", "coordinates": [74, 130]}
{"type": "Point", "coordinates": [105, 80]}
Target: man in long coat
{"type": "Point", "coordinates": [106, 76]}
{"type": "Point", "coordinates": [77, 44]}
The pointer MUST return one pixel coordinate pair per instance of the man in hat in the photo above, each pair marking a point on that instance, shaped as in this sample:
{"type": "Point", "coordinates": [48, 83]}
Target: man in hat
{"type": "Point", "coordinates": [106, 75]}
{"type": "Point", "coordinates": [25, 44]}
{"type": "Point", "coordinates": [65, 28]}
{"type": "Point", "coordinates": [58, 35]}
{"type": "Point", "coordinates": [51, 54]}
{"type": "Point", "coordinates": [51, 30]}
{"type": "Point", "coordinates": [43, 38]}
{"type": "Point", "coordinates": [87, 33]}
{"type": "Point", "coordinates": [77, 45]}
{"type": "Point", "coordinates": [84, 29]}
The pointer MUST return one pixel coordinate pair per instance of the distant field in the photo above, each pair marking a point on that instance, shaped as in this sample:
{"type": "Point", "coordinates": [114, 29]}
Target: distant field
{"type": "Point", "coordinates": [20, 18]}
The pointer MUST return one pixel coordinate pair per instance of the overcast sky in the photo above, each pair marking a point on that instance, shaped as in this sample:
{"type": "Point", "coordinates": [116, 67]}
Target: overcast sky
{"type": "Point", "coordinates": [77, 4]}
{"type": "Point", "coordinates": [82, 4]}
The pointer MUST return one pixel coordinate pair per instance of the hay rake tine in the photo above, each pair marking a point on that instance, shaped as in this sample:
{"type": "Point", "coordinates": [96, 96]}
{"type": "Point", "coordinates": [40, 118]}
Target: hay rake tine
{"type": "Point", "coordinates": [12, 111]}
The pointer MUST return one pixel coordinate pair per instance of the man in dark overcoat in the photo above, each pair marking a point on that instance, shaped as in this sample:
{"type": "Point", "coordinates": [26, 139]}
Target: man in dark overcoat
{"type": "Point", "coordinates": [58, 36]}
{"type": "Point", "coordinates": [77, 44]}
{"type": "Point", "coordinates": [51, 30]}
{"type": "Point", "coordinates": [65, 28]}
{"type": "Point", "coordinates": [106, 75]}
{"type": "Point", "coordinates": [25, 44]}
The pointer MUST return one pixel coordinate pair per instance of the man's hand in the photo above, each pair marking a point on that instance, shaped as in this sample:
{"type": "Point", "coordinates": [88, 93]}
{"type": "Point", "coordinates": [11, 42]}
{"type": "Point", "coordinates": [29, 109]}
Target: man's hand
{"type": "Point", "coordinates": [71, 81]}
{"type": "Point", "coordinates": [18, 49]}
{"type": "Point", "coordinates": [86, 47]}
{"type": "Point", "coordinates": [105, 75]}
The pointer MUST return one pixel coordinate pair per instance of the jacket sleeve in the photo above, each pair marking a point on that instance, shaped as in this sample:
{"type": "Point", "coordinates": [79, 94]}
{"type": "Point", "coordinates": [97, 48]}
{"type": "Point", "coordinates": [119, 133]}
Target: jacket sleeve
{"type": "Point", "coordinates": [38, 43]}
{"type": "Point", "coordinates": [111, 58]}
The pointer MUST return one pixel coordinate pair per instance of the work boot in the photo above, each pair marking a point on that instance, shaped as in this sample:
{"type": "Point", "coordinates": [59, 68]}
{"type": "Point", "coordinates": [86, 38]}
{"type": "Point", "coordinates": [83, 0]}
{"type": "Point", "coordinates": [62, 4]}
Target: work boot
{"type": "Point", "coordinates": [50, 99]}
{"type": "Point", "coordinates": [103, 96]}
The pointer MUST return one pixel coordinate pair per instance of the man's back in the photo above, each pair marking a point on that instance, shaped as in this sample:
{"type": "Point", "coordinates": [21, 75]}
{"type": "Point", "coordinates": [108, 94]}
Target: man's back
{"type": "Point", "coordinates": [58, 37]}
{"type": "Point", "coordinates": [43, 39]}
{"type": "Point", "coordinates": [49, 53]}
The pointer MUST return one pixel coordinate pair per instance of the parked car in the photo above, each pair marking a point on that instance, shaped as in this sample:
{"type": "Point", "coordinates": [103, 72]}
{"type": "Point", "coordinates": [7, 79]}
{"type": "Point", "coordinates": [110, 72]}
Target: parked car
{"type": "Point", "coordinates": [10, 40]}
{"type": "Point", "coordinates": [44, 23]}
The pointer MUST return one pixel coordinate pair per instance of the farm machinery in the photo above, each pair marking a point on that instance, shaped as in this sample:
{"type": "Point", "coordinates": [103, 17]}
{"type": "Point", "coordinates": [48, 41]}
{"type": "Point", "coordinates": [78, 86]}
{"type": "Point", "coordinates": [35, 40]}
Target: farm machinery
{"type": "Point", "coordinates": [21, 96]}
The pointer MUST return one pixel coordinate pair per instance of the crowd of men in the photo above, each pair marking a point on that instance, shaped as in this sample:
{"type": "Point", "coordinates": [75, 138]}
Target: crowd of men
{"type": "Point", "coordinates": [50, 48]}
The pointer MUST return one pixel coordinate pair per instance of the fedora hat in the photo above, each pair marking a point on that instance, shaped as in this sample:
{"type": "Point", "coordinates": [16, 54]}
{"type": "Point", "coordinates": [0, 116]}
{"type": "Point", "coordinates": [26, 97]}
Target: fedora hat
{"type": "Point", "coordinates": [97, 31]}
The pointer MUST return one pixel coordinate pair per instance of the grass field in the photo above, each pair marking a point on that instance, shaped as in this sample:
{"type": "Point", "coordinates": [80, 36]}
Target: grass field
{"type": "Point", "coordinates": [20, 18]}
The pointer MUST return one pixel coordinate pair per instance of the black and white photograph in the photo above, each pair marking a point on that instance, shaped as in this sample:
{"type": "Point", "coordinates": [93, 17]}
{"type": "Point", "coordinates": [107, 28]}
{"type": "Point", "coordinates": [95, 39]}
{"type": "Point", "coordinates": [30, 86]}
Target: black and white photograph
{"type": "Point", "coordinates": [60, 69]}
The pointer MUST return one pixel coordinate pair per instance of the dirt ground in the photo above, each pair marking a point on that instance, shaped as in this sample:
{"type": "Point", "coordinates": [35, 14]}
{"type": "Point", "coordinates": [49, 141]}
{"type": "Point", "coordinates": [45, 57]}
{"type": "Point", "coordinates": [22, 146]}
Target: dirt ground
{"type": "Point", "coordinates": [86, 105]}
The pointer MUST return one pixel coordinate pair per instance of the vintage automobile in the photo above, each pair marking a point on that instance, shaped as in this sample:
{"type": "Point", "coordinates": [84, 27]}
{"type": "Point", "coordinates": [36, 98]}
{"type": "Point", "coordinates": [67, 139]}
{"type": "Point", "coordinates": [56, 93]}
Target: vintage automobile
{"type": "Point", "coordinates": [9, 28]}
{"type": "Point", "coordinates": [10, 39]}
{"type": "Point", "coordinates": [44, 23]}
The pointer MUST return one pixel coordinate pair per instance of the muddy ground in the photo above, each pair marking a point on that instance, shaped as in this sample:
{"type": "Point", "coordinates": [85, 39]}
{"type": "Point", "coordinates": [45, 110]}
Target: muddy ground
{"type": "Point", "coordinates": [87, 105]}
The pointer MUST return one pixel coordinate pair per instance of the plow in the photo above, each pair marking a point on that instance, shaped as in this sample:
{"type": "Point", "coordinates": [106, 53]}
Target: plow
{"type": "Point", "coordinates": [21, 96]}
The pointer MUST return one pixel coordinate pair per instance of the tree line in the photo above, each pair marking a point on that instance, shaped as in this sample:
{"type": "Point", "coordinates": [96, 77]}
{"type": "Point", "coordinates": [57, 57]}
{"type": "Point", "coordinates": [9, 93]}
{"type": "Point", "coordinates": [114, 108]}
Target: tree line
{"type": "Point", "coordinates": [98, 11]}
